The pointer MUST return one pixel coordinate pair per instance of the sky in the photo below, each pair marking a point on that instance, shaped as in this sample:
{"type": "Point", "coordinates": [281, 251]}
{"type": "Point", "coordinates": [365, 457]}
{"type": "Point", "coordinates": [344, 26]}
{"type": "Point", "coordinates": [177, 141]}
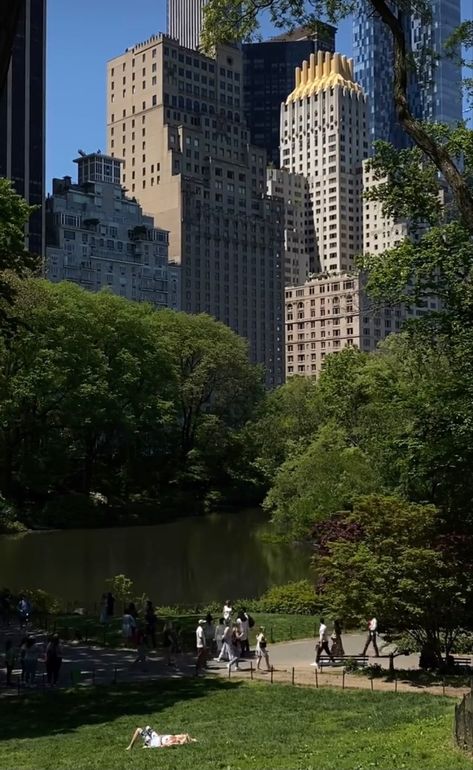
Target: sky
{"type": "Point", "coordinates": [81, 38]}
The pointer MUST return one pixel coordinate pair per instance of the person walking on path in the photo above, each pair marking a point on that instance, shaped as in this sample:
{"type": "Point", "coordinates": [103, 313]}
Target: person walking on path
{"type": "Point", "coordinates": [128, 627]}
{"type": "Point", "coordinates": [262, 649]}
{"type": "Point", "coordinates": [151, 623]}
{"type": "Point", "coordinates": [209, 631]}
{"type": "Point", "coordinates": [103, 618]}
{"type": "Point", "coordinates": [53, 660]}
{"type": "Point", "coordinates": [110, 599]}
{"type": "Point", "coordinates": [201, 659]}
{"type": "Point", "coordinates": [31, 661]}
{"type": "Point", "coordinates": [227, 612]}
{"type": "Point", "coordinates": [218, 636]}
{"type": "Point", "coordinates": [233, 651]}
{"type": "Point", "coordinates": [10, 659]}
{"type": "Point", "coordinates": [243, 623]}
{"type": "Point", "coordinates": [322, 644]}
{"type": "Point", "coordinates": [226, 643]}
{"type": "Point", "coordinates": [372, 637]}
{"type": "Point", "coordinates": [337, 644]}
{"type": "Point", "coordinates": [24, 611]}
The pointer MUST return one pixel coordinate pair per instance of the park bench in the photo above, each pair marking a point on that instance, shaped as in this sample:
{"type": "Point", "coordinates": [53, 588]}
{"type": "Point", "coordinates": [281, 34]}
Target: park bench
{"type": "Point", "coordinates": [462, 662]}
{"type": "Point", "coordinates": [342, 660]}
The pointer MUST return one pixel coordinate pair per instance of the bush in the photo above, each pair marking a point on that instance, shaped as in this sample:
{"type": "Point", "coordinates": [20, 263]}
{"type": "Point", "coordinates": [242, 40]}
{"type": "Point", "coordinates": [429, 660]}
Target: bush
{"type": "Point", "coordinates": [9, 523]}
{"type": "Point", "coordinates": [296, 598]}
{"type": "Point", "coordinates": [41, 601]}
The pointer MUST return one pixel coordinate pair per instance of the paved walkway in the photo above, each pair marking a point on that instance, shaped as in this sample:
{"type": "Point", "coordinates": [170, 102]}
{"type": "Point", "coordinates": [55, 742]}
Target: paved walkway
{"type": "Point", "coordinates": [85, 665]}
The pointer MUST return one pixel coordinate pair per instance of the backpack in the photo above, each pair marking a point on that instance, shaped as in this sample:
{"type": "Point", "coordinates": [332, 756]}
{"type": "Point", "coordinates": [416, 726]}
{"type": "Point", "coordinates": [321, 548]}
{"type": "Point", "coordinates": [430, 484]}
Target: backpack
{"type": "Point", "coordinates": [251, 621]}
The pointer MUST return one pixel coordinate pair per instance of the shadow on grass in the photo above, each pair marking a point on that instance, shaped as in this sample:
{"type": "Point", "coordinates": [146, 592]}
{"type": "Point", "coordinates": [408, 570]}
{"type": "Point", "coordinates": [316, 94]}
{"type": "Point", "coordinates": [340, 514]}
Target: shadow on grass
{"type": "Point", "coordinates": [64, 711]}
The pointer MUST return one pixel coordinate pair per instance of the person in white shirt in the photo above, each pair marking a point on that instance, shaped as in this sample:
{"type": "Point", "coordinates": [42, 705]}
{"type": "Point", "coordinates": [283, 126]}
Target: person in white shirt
{"type": "Point", "coordinates": [201, 646]}
{"type": "Point", "coordinates": [218, 636]}
{"type": "Point", "coordinates": [322, 644]}
{"type": "Point", "coordinates": [243, 623]}
{"type": "Point", "coordinates": [227, 612]}
{"type": "Point", "coordinates": [262, 648]}
{"type": "Point", "coordinates": [152, 740]}
{"type": "Point", "coordinates": [226, 643]}
{"type": "Point", "coordinates": [372, 637]}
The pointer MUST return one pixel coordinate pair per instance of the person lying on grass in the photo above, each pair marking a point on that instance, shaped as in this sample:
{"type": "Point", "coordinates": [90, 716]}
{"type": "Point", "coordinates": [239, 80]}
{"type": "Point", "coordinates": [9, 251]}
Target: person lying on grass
{"type": "Point", "coordinates": [151, 739]}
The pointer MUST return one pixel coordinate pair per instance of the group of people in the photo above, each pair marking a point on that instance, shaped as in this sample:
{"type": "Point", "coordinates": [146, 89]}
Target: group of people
{"type": "Point", "coordinates": [335, 650]}
{"type": "Point", "coordinates": [26, 656]}
{"type": "Point", "coordinates": [229, 639]}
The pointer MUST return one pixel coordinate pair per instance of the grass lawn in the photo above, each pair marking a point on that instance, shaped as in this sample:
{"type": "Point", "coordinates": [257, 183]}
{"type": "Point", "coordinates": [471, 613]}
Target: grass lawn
{"type": "Point", "coordinates": [238, 725]}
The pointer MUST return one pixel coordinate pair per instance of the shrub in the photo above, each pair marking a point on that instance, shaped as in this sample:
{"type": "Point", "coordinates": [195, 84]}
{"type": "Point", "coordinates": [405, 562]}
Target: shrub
{"type": "Point", "coordinates": [42, 601]}
{"type": "Point", "coordinates": [296, 598]}
{"type": "Point", "coordinates": [9, 523]}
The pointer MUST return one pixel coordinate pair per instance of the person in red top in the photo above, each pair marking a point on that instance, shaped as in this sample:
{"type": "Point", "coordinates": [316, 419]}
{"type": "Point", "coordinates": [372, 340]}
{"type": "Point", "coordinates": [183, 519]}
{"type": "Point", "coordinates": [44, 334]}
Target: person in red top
{"type": "Point", "coordinates": [372, 636]}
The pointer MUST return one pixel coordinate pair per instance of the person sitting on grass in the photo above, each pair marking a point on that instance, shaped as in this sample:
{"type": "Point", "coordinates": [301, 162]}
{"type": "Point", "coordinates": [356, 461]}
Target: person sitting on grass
{"type": "Point", "coordinates": [152, 740]}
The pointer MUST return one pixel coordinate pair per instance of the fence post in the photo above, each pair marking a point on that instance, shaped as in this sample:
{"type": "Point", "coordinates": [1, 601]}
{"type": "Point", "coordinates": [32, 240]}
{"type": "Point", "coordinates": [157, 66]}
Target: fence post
{"type": "Point", "coordinates": [371, 681]}
{"type": "Point", "coordinates": [316, 676]}
{"type": "Point", "coordinates": [395, 681]}
{"type": "Point", "coordinates": [229, 672]}
{"type": "Point", "coordinates": [343, 679]}
{"type": "Point", "coordinates": [251, 669]}
{"type": "Point", "coordinates": [272, 672]}
{"type": "Point", "coordinates": [293, 675]}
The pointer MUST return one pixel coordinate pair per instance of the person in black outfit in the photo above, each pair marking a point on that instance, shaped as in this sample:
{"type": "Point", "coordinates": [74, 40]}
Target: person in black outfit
{"type": "Point", "coordinates": [151, 623]}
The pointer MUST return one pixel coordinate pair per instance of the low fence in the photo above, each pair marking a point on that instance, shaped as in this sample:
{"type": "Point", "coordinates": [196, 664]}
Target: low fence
{"type": "Point", "coordinates": [463, 722]}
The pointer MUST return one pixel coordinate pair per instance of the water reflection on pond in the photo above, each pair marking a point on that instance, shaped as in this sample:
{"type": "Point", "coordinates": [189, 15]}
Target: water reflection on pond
{"type": "Point", "coordinates": [191, 560]}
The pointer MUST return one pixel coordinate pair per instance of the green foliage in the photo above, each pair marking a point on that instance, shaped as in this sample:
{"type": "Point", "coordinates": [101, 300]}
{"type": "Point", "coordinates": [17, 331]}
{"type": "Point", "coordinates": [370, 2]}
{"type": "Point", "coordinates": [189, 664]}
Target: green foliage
{"type": "Point", "coordinates": [9, 523]}
{"type": "Point", "coordinates": [312, 484]}
{"type": "Point", "coordinates": [108, 400]}
{"type": "Point", "coordinates": [14, 259]}
{"type": "Point", "coordinates": [121, 587]}
{"type": "Point", "coordinates": [296, 598]}
{"type": "Point", "coordinates": [41, 601]}
{"type": "Point", "coordinates": [398, 570]}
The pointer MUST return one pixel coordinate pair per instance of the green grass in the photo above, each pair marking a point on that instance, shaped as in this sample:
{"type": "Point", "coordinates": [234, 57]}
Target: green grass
{"type": "Point", "coordinates": [238, 725]}
{"type": "Point", "coordinates": [279, 628]}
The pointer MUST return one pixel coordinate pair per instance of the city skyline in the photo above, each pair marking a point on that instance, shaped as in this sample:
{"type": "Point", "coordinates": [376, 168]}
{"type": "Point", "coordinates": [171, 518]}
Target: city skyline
{"type": "Point", "coordinates": [80, 81]}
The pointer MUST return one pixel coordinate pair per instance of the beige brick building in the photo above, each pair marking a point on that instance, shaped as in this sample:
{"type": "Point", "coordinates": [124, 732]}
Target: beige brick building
{"type": "Point", "coordinates": [175, 117]}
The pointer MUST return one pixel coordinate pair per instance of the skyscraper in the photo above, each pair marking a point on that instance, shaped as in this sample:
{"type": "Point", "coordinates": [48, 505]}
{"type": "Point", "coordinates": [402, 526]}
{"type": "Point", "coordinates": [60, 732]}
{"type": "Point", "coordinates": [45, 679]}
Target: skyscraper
{"type": "Point", "coordinates": [185, 21]}
{"type": "Point", "coordinates": [175, 116]}
{"type": "Point", "coordinates": [22, 116]}
{"type": "Point", "coordinates": [268, 75]}
{"type": "Point", "coordinates": [323, 137]}
{"type": "Point", "coordinates": [434, 90]}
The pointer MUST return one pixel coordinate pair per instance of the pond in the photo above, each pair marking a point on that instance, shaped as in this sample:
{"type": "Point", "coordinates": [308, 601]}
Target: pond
{"type": "Point", "coordinates": [186, 561]}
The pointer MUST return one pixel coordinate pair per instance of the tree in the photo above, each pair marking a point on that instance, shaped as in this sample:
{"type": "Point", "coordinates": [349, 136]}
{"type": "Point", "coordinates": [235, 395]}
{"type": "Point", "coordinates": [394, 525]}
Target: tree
{"type": "Point", "coordinates": [227, 20]}
{"type": "Point", "coordinates": [390, 559]}
{"type": "Point", "coordinates": [327, 475]}
{"type": "Point", "coordinates": [14, 259]}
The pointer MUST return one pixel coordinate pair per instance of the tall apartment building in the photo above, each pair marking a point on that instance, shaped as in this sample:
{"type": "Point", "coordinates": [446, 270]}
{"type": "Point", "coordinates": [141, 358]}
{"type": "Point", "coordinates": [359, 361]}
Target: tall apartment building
{"type": "Point", "coordinates": [268, 75]}
{"type": "Point", "coordinates": [22, 117]}
{"type": "Point", "coordinates": [323, 137]}
{"type": "Point", "coordinates": [175, 116]}
{"type": "Point", "coordinates": [299, 236]}
{"type": "Point", "coordinates": [185, 20]}
{"type": "Point", "coordinates": [434, 91]}
{"type": "Point", "coordinates": [99, 238]}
